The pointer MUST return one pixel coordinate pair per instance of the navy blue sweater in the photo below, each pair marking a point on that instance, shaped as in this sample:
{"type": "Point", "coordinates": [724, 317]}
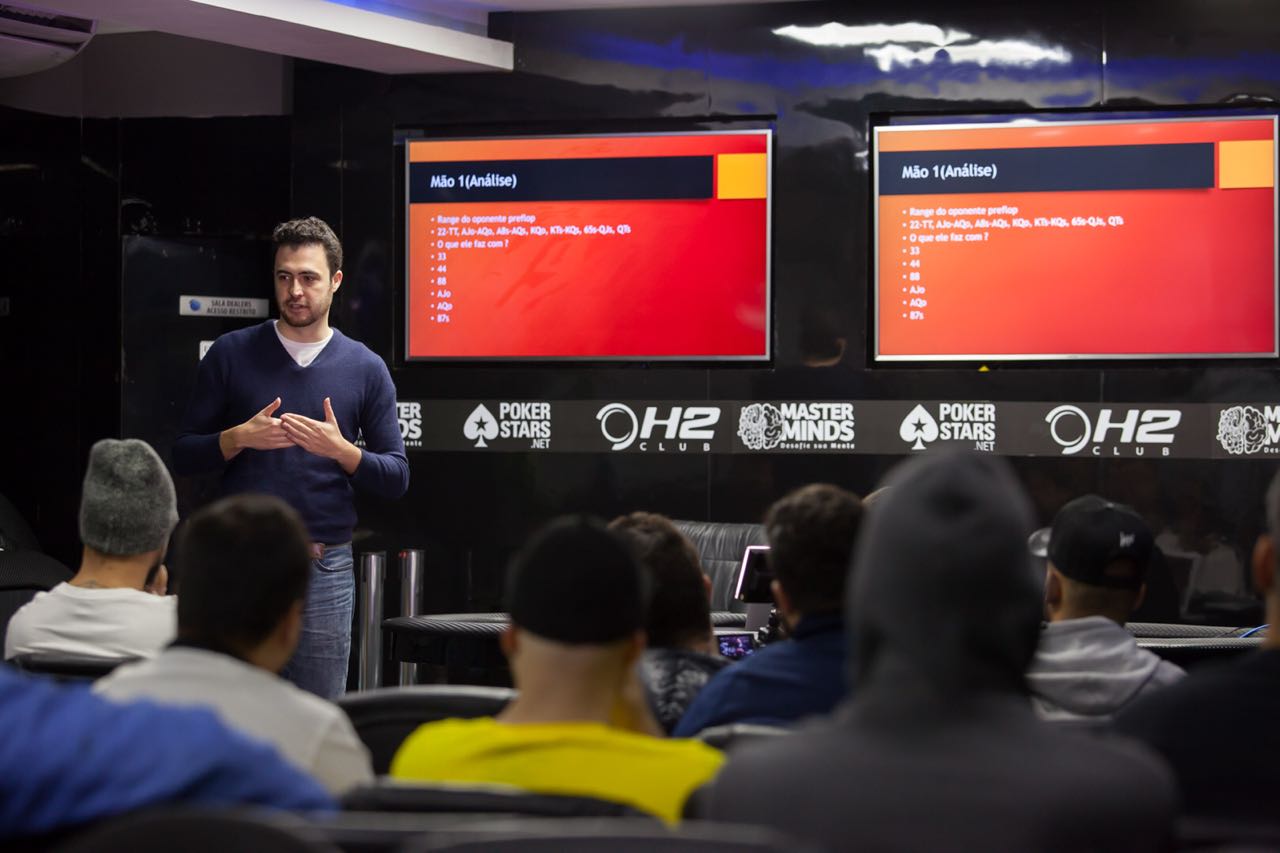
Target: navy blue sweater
{"type": "Point", "coordinates": [243, 372]}
{"type": "Point", "coordinates": [778, 685]}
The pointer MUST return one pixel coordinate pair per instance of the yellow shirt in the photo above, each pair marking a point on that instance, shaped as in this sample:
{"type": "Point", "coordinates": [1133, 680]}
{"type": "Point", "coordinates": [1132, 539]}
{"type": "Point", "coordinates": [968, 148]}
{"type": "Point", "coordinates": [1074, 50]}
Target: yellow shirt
{"type": "Point", "coordinates": [576, 759]}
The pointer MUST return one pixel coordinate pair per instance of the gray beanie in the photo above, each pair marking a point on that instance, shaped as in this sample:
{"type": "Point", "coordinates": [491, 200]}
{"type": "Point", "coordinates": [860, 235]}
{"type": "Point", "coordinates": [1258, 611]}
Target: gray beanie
{"type": "Point", "coordinates": [128, 504]}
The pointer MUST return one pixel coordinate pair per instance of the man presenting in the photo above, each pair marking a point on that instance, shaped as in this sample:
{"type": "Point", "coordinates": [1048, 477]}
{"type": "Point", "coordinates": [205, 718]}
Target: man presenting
{"type": "Point", "coordinates": [276, 409]}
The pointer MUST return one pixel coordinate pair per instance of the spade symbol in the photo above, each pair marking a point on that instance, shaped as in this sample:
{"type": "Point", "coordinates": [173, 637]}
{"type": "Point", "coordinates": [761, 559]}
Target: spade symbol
{"type": "Point", "coordinates": [919, 427]}
{"type": "Point", "coordinates": [481, 424]}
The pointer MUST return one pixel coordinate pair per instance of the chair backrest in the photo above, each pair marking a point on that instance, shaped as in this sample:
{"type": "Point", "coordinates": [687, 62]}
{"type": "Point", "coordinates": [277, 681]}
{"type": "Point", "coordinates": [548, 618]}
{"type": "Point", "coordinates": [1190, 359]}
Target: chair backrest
{"type": "Point", "coordinates": [67, 667]}
{"type": "Point", "coordinates": [198, 831]}
{"type": "Point", "coordinates": [22, 575]}
{"type": "Point", "coordinates": [15, 533]}
{"type": "Point", "coordinates": [383, 718]}
{"type": "Point", "coordinates": [617, 835]}
{"type": "Point", "coordinates": [471, 799]}
{"type": "Point", "coordinates": [727, 737]}
{"type": "Point", "coordinates": [720, 547]}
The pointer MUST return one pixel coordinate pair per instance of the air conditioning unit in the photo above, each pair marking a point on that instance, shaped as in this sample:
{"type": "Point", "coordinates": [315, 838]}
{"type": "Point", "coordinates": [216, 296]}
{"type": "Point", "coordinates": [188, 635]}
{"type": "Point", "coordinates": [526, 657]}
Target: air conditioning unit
{"type": "Point", "coordinates": [34, 40]}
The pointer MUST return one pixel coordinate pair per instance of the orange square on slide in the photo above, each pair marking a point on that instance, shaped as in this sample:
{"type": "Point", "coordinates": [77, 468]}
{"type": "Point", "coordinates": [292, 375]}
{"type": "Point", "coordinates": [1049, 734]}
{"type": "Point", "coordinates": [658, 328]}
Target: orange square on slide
{"type": "Point", "coordinates": [742, 175]}
{"type": "Point", "coordinates": [1246, 163]}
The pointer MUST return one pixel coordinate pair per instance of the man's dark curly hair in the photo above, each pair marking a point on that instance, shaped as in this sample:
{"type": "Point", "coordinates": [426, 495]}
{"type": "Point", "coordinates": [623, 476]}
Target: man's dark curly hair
{"type": "Point", "coordinates": [307, 232]}
{"type": "Point", "coordinates": [811, 533]}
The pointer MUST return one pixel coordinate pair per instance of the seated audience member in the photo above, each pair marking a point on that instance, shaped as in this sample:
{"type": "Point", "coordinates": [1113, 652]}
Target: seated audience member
{"type": "Point", "coordinates": [938, 749]}
{"type": "Point", "coordinates": [682, 652]}
{"type": "Point", "coordinates": [115, 606]}
{"type": "Point", "coordinates": [811, 533]}
{"type": "Point", "coordinates": [1087, 665]}
{"type": "Point", "coordinates": [245, 563]}
{"type": "Point", "coordinates": [580, 724]}
{"type": "Point", "coordinates": [1217, 728]}
{"type": "Point", "coordinates": [69, 757]}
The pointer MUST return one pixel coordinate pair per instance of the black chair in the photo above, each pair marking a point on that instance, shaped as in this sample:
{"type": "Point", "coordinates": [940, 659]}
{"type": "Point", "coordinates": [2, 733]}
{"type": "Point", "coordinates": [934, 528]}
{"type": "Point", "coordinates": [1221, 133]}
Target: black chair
{"type": "Point", "coordinates": [473, 799]}
{"type": "Point", "coordinates": [383, 718]}
{"type": "Point", "coordinates": [15, 533]}
{"type": "Point", "coordinates": [1190, 652]}
{"type": "Point", "coordinates": [22, 575]}
{"type": "Point", "coordinates": [67, 667]}
{"type": "Point", "coordinates": [720, 547]}
{"type": "Point", "coordinates": [199, 831]}
{"type": "Point", "coordinates": [618, 835]}
{"type": "Point", "coordinates": [1226, 836]}
{"type": "Point", "coordinates": [733, 735]}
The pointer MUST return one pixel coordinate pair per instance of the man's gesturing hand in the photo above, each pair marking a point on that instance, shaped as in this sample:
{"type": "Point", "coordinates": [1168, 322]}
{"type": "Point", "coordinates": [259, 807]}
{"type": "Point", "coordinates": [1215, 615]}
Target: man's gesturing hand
{"type": "Point", "coordinates": [260, 432]}
{"type": "Point", "coordinates": [323, 438]}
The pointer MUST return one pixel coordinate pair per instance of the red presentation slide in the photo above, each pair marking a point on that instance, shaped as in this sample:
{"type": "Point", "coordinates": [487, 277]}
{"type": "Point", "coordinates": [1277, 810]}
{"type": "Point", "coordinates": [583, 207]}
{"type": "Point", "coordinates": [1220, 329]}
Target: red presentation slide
{"type": "Point", "coordinates": [1080, 239]}
{"type": "Point", "coordinates": [589, 247]}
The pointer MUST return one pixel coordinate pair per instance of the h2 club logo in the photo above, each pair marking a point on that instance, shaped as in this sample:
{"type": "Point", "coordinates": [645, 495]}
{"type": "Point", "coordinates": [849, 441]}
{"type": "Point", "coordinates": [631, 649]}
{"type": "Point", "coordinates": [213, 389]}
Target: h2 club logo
{"type": "Point", "coordinates": [1125, 432]}
{"type": "Point", "coordinates": [680, 426]}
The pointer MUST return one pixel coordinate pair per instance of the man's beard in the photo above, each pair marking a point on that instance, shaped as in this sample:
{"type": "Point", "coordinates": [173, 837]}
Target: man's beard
{"type": "Point", "coordinates": [307, 317]}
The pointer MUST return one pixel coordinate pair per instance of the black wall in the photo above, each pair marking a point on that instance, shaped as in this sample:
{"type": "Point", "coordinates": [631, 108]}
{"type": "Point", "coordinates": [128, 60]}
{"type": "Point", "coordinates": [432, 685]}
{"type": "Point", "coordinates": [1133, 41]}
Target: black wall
{"type": "Point", "coordinates": [675, 68]}
{"type": "Point", "coordinates": [72, 192]}
{"type": "Point", "coordinates": [650, 69]}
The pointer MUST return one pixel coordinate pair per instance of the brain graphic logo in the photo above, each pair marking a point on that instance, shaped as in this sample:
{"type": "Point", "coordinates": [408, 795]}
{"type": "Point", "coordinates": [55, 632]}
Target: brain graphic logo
{"type": "Point", "coordinates": [1242, 429]}
{"type": "Point", "coordinates": [760, 426]}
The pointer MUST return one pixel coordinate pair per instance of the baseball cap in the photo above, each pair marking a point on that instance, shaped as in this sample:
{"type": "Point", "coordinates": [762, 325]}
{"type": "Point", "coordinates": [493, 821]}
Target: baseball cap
{"type": "Point", "coordinates": [1095, 541]}
{"type": "Point", "coordinates": [577, 582]}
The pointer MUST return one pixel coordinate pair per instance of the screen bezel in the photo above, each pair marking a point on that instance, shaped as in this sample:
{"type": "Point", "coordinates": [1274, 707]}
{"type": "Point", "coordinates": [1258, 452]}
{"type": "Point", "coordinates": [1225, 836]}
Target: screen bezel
{"type": "Point", "coordinates": [750, 556]}
{"type": "Point", "coordinates": [899, 122]}
{"type": "Point", "coordinates": [753, 360]}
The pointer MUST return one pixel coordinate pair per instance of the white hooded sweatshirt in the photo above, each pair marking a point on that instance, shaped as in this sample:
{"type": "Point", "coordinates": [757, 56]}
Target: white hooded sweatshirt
{"type": "Point", "coordinates": [1091, 668]}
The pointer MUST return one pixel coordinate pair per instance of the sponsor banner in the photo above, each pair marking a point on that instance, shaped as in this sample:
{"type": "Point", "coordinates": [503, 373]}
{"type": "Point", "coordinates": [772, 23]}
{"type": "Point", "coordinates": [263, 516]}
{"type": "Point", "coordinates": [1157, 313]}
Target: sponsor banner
{"type": "Point", "coordinates": [826, 426]}
{"type": "Point", "coordinates": [478, 425]}
{"type": "Point", "coordinates": [1112, 430]}
{"type": "Point", "coordinates": [1246, 430]}
{"type": "Point", "coordinates": [882, 427]}
{"type": "Point", "coordinates": [221, 306]}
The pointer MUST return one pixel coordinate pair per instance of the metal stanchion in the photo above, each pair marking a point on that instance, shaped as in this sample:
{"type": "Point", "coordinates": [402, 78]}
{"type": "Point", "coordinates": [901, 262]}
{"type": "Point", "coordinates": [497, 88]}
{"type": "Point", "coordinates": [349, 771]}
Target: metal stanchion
{"type": "Point", "coordinates": [412, 565]}
{"type": "Point", "coordinates": [373, 567]}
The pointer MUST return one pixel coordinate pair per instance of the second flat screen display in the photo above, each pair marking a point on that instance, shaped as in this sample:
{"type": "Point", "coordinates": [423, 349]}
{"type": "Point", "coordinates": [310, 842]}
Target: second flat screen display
{"type": "Point", "coordinates": [632, 247]}
{"type": "Point", "coordinates": [1133, 238]}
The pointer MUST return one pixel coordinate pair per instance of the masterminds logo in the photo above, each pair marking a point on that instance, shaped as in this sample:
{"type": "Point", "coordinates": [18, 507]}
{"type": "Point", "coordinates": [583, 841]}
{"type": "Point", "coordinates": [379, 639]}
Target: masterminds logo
{"type": "Point", "coordinates": [1249, 430]}
{"type": "Point", "coordinates": [797, 426]}
{"type": "Point", "coordinates": [410, 416]}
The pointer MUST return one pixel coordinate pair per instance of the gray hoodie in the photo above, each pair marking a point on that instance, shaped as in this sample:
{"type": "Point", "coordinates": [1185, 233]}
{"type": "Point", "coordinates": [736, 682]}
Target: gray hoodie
{"type": "Point", "coordinates": [1091, 668]}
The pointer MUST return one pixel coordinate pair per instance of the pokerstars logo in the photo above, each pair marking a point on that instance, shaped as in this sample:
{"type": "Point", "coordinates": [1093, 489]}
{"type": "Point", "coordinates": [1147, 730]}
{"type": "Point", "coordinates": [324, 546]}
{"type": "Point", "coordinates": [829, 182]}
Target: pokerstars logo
{"type": "Point", "coordinates": [522, 422]}
{"type": "Point", "coordinates": [1249, 430]}
{"type": "Point", "coordinates": [677, 429]}
{"type": "Point", "coordinates": [410, 417]}
{"type": "Point", "coordinates": [1114, 432]}
{"type": "Point", "coordinates": [955, 422]}
{"type": "Point", "coordinates": [797, 426]}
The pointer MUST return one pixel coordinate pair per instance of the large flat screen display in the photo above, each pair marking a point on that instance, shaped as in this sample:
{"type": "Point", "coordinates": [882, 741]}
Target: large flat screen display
{"type": "Point", "coordinates": [609, 248]}
{"type": "Point", "coordinates": [1080, 238]}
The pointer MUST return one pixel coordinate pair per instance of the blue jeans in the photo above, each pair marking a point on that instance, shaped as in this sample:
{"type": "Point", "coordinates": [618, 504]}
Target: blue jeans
{"type": "Point", "coordinates": [319, 664]}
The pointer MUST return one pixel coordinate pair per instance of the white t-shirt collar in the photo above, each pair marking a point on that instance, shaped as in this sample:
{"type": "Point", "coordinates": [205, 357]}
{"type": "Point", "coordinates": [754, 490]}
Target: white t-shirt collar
{"type": "Point", "coordinates": [302, 353]}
